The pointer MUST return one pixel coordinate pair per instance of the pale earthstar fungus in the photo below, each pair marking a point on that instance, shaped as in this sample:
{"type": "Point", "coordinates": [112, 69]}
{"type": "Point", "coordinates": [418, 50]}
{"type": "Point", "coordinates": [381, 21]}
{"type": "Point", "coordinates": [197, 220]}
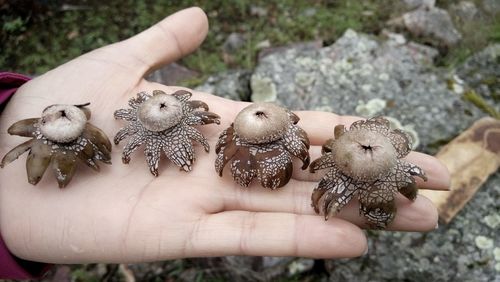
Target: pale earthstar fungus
{"type": "Point", "coordinates": [164, 122]}
{"type": "Point", "coordinates": [260, 144]}
{"type": "Point", "coordinates": [365, 162]}
{"type": "Point", "coordinates": [60, 137]}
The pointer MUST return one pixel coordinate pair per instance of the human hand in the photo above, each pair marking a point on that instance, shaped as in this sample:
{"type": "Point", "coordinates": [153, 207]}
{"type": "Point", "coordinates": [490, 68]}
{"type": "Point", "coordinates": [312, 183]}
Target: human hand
{"type": "Point", "coordinates": [124, 214]}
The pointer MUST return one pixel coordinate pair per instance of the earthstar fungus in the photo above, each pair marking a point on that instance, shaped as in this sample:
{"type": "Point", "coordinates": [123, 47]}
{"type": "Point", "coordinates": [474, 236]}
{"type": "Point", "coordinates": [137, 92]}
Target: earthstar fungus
{"type": "Point", "coordinates": [260, 144]}
{"type": "Point", "coordinates": [365, 161]}
{"type": "Point", "coordinates": [164, 122]}
{"type": "Point", "coordinates": [60, 137]}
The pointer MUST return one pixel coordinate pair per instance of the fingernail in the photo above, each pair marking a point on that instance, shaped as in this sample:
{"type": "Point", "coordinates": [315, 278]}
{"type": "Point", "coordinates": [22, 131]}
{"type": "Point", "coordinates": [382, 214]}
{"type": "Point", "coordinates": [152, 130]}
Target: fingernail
{"type": "Point", "coordinates": [437, 226]}
{"type": "Point", "coordinates": [366, 251]}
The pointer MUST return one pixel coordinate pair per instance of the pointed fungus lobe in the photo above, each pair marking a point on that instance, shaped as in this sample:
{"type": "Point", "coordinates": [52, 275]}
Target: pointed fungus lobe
{"type": "Point", "coordinates": [365, 162]}
{"type": "Point", "coordinates": [260, 144]}
{"type": "Point", "coordinates": [61, 137]}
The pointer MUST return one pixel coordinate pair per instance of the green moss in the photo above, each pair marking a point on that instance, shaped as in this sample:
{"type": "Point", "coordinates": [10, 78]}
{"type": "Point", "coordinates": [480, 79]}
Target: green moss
{"type": "Point", "coordinates": [82, 274]}
{"type": "Point", "coordinates": [38, 41]}
{"type": "Point", "coordinates": [478, 101]}
{"type": "Point", "coordinates": [193, 82]}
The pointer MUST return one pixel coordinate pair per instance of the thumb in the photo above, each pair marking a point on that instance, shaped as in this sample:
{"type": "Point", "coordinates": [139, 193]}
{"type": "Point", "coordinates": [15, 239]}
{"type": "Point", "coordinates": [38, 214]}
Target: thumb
{"type": "Point", "coordinates": [170, 39]}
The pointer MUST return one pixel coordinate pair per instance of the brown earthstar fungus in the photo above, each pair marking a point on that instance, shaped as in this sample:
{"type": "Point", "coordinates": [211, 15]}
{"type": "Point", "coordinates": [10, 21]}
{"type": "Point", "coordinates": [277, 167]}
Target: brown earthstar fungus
{"type": "Point", "coordinates": [60, 137]}
{"type": "Point", "coordinates": [260, 144]}
{"type": "Point", "coordinates": [365, 162]}
{"type": "Point", "coordinates": [164, 122]}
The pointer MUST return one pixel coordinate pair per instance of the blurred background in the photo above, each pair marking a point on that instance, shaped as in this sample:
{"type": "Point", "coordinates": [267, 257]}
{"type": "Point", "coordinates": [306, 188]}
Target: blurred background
{"type": "Point", "coordinates": [432, 66]}
{"type": "Point", "coordinates": [39, 35]}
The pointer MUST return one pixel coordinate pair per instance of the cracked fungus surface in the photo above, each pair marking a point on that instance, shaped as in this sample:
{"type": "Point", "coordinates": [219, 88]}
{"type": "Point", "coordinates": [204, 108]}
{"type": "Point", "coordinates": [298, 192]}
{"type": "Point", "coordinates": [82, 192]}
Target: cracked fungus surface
{"type": "Point", "coordinates": [365, 162]}
{"type": "Point", "coordinates": [260, 144]}
{"type": "Point", "coordinates": [164, 123]}
{"type": "Point", "coordinates": [61, 138]}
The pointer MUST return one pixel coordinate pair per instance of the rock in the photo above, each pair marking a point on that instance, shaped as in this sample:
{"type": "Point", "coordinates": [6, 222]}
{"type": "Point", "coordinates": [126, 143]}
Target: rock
{"type": "Point", "coordinates": [484, 243]}
{"type": "Point", "coordinates": [446, 254]}
{"type": "Point", "coordinates": [370, 108]}
{"type": "Point", "coordinates": [394, 38]}
{"type": "Point", "coordinates": [308, 45]}
{"type": "Point", "coordinates": [234, 85]}
{"type": "Point", "coordinates": [234, 42]}
{"type": "Point", "coordinates": [434, 24]}
{"type": "Point", "coordinates": [482, 72]}
{"type": "Point", "coordinates": [172, 74]}
{"type": "Point", "coordinates": [299, 266]}
{"type": "Point", "coordinates": [243, 268]}
{"type": "Point", "coordinates": [62, 273]}
{"type": "Point", "coordinates": [258, 11]}
{"type": "Point", "coordinates": [263, 44]}
{"type": "Point", "coordinates": [408, 128]}
{"type": "Point", "coordinates": [189, 275]}
{"type": "Point", "coordinates": [492, 7]}
{"type": "Point", "coordinates": [492, 220]}
{"type": "Point", "coordinates": [465, 11]}
{"type": "Point", "coordinates": [496, 253]}
{"type": "Point", "coordinates": [357, 68]}
{"type": "Point", "coordinates": [263, 89]}
{"type": "Point", "coordinates": [413, 4]}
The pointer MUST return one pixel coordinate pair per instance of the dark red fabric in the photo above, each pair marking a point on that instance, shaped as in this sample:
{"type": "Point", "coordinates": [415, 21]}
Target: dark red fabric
{"type": "Point", "coordinates": [10, 266]}
{"type": "Point", "coordinates": [9, 82]}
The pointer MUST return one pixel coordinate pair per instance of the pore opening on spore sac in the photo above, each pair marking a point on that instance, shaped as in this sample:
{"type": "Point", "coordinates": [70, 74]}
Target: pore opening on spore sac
{"type": "Point", "coordinates": [367, 147]}
{"type": "Point", "coordinates": [261, 114]}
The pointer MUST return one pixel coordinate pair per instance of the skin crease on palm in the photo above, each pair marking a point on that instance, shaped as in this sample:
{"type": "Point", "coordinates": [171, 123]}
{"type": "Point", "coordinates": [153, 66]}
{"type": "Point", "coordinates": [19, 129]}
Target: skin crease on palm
{"type": "Point", "coordinates": [124, 214]}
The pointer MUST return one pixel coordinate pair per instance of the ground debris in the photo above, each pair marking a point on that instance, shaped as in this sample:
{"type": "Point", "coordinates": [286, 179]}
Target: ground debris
{"type": "Point", "coordinates": [471, 158]}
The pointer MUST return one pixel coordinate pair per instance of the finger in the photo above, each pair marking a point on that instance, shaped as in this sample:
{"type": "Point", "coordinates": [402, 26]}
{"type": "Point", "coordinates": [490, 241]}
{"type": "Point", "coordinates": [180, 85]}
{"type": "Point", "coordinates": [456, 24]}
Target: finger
{"type": "Point", "coordinates": [319, 132]}
{"type": "Point", "coordinates": [275, 234]}
{"type": "Point", "coordinates": [438, 177]}
{"type": "Point", "coordinates": [419, 215]}
{"type": "Point", "coordinates": [170, 39]}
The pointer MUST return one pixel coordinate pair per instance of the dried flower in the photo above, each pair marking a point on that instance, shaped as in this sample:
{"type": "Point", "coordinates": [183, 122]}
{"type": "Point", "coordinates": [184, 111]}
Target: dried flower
{"type": "Point", "coordinates": [164, 123]}
{"type": "Point", "coordinates": [60, 137]}
{"type": "Point", "coordinates": [365, 161]}
{"type": "Point", "coordinates": [260, 144]}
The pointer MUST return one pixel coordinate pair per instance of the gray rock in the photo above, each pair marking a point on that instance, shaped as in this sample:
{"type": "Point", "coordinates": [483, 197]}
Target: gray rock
{"type": "Point", "coordinates": [172, 74]}
{"type": "Point", "coordinates": [413, 4]}
{"type": "Point", "coordinates": [492, 7]}
{"type": "Point", "coordinates": [234, 85]}
{"type": "Point", "coordinates": [356, 69]}
{"type": "Point", "coordinates": [449, 253]}
{"type": "Point", "coordinates": [492, 220]}
{"type": "Point", "coordinates": [482, 72]}
{"type": "Point", "coordinates": [308, 45]}
{"type": "Point", "coordinates": [249, 268]}
{"type": "Point", "coordinates": [465, 11]}
{"type": "Point", "coordinates": [434, 24]}
{"type": "Point", "coordinates": [234, 42]}
{"type": "Point", "coordinates": [299, 266]}
{"type": "Point", "coordinates": [263, 44]}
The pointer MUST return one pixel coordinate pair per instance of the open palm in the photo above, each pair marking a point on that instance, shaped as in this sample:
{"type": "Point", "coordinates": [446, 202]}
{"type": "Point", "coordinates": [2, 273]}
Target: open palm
{"type": "Point", "coordinates": [124, 214]}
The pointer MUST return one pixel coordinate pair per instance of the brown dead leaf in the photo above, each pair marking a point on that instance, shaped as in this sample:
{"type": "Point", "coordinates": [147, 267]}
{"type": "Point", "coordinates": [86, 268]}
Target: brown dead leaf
{"type": "Point", "coordinates": [471, 158]}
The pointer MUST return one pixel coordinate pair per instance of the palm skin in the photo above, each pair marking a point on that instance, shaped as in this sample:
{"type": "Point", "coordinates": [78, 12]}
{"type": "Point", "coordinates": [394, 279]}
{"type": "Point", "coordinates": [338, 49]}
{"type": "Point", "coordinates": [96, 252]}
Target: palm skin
{"type": "Point", "coordinates": [124, 214]}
